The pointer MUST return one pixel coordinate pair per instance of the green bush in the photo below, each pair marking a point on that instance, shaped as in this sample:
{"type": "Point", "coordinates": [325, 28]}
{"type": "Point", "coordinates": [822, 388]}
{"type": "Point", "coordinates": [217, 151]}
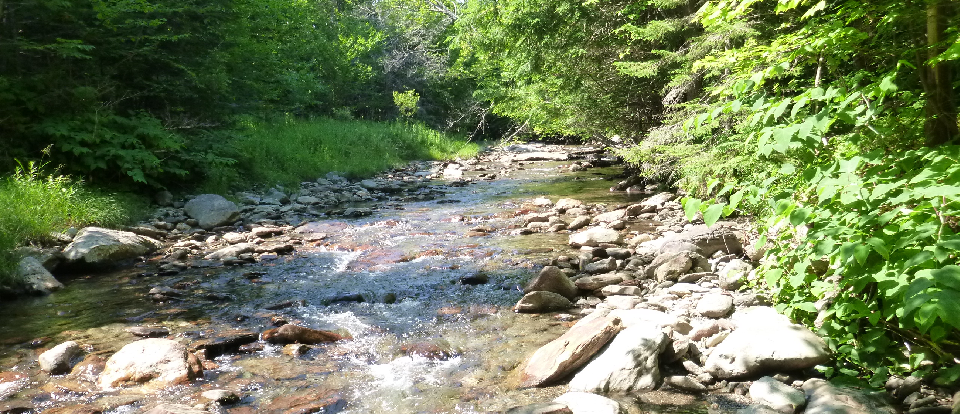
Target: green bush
{"type": "Point", "coordinates": [290, 151]}
{"type": "Point", "coordinates": [33, 205]}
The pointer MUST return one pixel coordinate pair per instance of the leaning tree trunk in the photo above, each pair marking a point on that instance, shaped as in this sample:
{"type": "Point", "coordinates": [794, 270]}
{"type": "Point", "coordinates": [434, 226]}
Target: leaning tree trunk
{"type": "Point", "coordinates": [940, 108]}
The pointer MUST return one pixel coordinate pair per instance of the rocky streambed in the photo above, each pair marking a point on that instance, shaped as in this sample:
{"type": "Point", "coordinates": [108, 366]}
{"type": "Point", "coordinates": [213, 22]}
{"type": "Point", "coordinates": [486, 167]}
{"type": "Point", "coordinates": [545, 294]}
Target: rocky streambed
{"type": "Point", "coordinates": [519, 281]}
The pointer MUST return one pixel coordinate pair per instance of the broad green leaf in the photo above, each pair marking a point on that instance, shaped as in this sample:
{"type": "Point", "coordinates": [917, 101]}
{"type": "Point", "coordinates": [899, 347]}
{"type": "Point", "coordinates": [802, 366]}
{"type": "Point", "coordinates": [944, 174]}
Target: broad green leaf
{"type": "Point", "coordinates": [861, 252]}
{"type": "Point", "coordinates": [880, 246]}
{"type": "Point", "coordinates": [712, 214]}
{"type": "Point", "coordinates": [799, 216]}
{"type": "Point", "coordinates": [948, 276]}
{"type": "Point", "coordinates": [736, 197]}
{"type": "Point", "coordinates": [806, 307]}
{"type": "Point", "coordinates": [773, 276]}
{"type": "Point", "coordinates": [690, 207]}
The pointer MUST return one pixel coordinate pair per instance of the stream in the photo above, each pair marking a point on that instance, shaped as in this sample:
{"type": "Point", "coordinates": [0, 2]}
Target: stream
{"type": "Point", "coordinates": [411, 273]}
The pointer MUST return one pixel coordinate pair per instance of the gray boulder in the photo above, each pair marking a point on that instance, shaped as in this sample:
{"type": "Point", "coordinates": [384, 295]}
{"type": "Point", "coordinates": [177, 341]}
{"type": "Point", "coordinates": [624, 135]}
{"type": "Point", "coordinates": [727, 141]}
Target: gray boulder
{"type": "Point", "coordinates": [542, 301]}
{"type": "Point", "coordinates": [153, 362]}
{"type": "Point", "coordinates": [212, 210]}
{"type": "Point", "coordinates": [630, 363]}
{"type": "Point", "coordinates": [777, 395]}
{"type": "Point", "coordinates": [552, 279]}
{"type": "Point", "coordinates": [764, 342]}
{"type": "Point", "coordinates": [569, 352]}
{"type": "Point", "coordinates": [58, 360]}
{"type": "Point", "coordinates": [733, 274]}
{"type": "Point", "coordinates": [714, 305]}
{"type": "Point", "coordinates": [36, 278]}
{"type": "Point", "coordinates": [101, 247]}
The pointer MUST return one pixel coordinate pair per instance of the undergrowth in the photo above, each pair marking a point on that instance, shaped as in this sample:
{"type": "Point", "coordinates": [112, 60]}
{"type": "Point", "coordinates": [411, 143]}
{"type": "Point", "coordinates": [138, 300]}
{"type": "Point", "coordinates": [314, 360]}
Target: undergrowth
{"type": "Point", "coordinates": [290, 151]}
{"type": "Point", "coordinates": [34, 204]}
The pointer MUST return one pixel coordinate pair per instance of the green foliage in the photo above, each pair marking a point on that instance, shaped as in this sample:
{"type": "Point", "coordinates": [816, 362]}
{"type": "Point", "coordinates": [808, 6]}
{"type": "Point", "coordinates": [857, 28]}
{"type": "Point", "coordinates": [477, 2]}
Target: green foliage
{"type": "Point", "coordinates": [406, 102]}
{"type": "Point", "coordinates": [290, 151]}
{"type": "Point", "coordinates": [35, 204]}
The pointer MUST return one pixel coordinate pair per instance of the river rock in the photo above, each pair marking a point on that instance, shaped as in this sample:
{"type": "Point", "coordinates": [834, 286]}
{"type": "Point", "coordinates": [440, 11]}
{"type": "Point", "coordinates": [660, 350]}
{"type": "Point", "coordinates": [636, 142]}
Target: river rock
{"type": "Point", "coordinates": [288, 334]}
{"type": "Point", "coordinates": [777, 395]}
{"type": "Point", "coordinates": [609, 217]}
{"type": "Point", "coordinates": [541, 408]}
{"type": "Point", "coordinates": [671, 267]}
{"type": "Point", "coordinates": [592, 283]}
{"type": "Point", "coordinates": [707, 240]}
{"type": "Point", "coordinates": [570, 351]}
{"type": "Point", "coordinates": [542, 301]}
{"type": "Point", "coordinates": [212, 210]}
{"type": "Point", "coordinates": [733, 274]}
{"type": "Point", "coordinates": [684, 383]}
{"type": "Point", "coordinates": [227, 341]}
{"type": "Point", "coordinates": [148, 331]}
{"type": "Point", "coordinates": [100, 247]}
{"type": "Point", "coordinates": [37, 278]}
{"type": "Point", "coordinates": [231, 251]}
{"type": "Point", "coordinates": [826, 398]}
{"type": "Point", "coordinates": [579, 222]}
{"type": "Point", "coordinates": [601, 266]}
{"type": "Point", "coordinates": [588, 403]}
{"type": "Point", "coordinates": [763, 342]}
{"type": "Point", "coordinates": [594, 236]}
{"type": "Point", "coordinates": [155, 362]}
{"type": "Point", "coordinates": [221, 396]}
{"type": "Point", "coordinates": [175, 409]}
{"type": "Point", "coordinates": [323, 401]}
{"type": "Point", "coordinates": [57, 360]}
{"type": "Point", "coordinates": [630, 363]}
{"type": "Point", "coordinates": [714, 305]}
{"type": "Point", "coordinates": [657, 200]}
{"type": "Point", "coordinates": [552, 279]}
{"type": "Point", "coordinates": [565, 204]}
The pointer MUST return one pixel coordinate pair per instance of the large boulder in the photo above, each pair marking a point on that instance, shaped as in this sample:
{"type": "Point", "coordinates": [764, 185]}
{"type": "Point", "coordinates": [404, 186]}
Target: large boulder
{"type": "Point", "coordinates": [765, 342]}
{"type": "Point", "coordinates": [551, 279]}
{"type": "Point", "coordinates": [152, 362]}
{"type": "Point", "coordinates": [102, 247]}
{"type": "Point", "coordinates": [212, 210]}
{"type": "Point", "coordinates": [595, 236]}
{"type": "Point", "coordinates": [36, 278]}
{"type": "Point", "coordinates": [570, 351]}
{"type": "Point", "coordinates": [707, 240]}
{"type": "Point", "coordinates": [630, 363]}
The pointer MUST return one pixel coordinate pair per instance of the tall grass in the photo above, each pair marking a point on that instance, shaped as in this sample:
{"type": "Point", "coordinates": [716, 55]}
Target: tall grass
{"type": "Point", "coordinates": [290, 151]}
{"type": "Point", "coordinates": [34, 204]}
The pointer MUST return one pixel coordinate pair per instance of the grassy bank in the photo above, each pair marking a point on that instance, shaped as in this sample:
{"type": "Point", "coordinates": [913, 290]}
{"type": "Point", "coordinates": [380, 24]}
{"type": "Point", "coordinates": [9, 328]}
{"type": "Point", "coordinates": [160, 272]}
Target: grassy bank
{"type": "Point", "coordinates": [290, 151]}
{"type": "Point", "coordinates": [35, 203]}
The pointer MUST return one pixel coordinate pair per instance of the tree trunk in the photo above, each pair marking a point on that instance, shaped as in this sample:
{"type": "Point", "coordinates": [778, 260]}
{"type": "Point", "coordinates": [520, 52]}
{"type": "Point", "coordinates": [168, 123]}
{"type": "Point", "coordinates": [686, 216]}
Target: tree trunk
{"type": "Point", "coordinates": [940, 108]}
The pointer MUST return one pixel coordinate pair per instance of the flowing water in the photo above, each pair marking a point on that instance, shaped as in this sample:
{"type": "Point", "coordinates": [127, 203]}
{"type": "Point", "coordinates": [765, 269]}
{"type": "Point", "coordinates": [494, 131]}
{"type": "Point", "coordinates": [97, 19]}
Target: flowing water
{"type": "Point", "coordinates": [399, 277]}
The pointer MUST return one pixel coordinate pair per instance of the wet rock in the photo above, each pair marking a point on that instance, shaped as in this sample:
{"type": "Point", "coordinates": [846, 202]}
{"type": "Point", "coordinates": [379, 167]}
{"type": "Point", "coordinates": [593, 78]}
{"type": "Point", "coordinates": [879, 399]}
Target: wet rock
{"type": "Point", "coordinates": [540, 408]}
{"type": "Point", "coordinates": [569, 352]}
{"type": "Point", "coordinates": [154, 362]}
{"type": "Point", "coordinates": [36, 278]}
{"type": "Point", "coordinates": [175, 409]}
{"type": "Point", "coordinates": [148, 331]}
{"type": "Point", "coordinates": [714, 306]}
{"type": "Point", "coordinates": [225, 342]}
{"type": "Point", "coordinates": [288, 334]}
{"type": "Point", "coordinates": [75, 409]}
{"type": "Point", "coordinates": [630, 363]}
{"type": "Point", "coordinates": [325, 401]}
{"type": "Point", "coordinates": [552, 279]}
{"type": "Point", "coordinates": [684, 383]}
{"type": "Point", "coordinates": [89, 368]}
{"type": "Point", "coordinates": [57, 360]}
{"type": "Point", "coordinates": [826, 398]}
{"type": "Point", "coordinates": [899, 388]}
{"type": "Point", "coordinates": [765, 342]}
{"type": "Point", "coordinates": [777, 395]}
{"type": "Point", "coordinates": [295, 350]}
{"type": "Point", "coordinates": [97, 246]}
{"type": "Point", "coordinates": [587, 403]}
{"type": "Point", "coordinates": [595, 236]}
{"type": "Point", "coordinates": [733, 274]}
{"type": "Point", "coordinates": [601, 266]}
{"type": "Point", "coordinates": [478, 278]}
{"type": "Point", "coordinates": [211, 210]}
{"type": "Point", "coordinates": [231, 251]}
{"type": "Point", "coordinates": [542, 301]}
{"type": "Point", "coordinates": [11, 383]}
{"type": "Point", "coordinates": [221, 396]}
{"type": "Point", "coordinates": [591, 283]}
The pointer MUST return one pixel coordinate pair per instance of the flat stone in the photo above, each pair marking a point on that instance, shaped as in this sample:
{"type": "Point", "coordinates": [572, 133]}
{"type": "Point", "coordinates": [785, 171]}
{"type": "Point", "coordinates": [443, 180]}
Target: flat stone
{"type": "Point", "coordinates": [36, 277]}
{"type": "Point", "coordinates": [617, 290]}
{"type": "Point", "coordinates": [592, 283]}
{"type": "Point", "coordinates": [595, 236]}
{"type": "Point", "coordinates": [569, 352]}
{"type": "Point", "coordinates": [231, 251]}
{"type": "Point", "coordinates": [221, 396]}
{"type": "Point", "coordinates": [541, 408]}
{"type": "Point", "coordinates": [104, 247]}
{"type": "Point", "coordinates": [175, 409]}
{"type": "Point", "coordinates": [684, 383]}
{"type": "Point", "coordinates": [826, 398]}
{"type": "Point", "coordinates": [324, 401]}
{"type": "Point", "coordinates": [148, 331]}
{"type": "Point", "coordinates": [714, 306]}
{"type": "Point", "coordinates": [630, 363]}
